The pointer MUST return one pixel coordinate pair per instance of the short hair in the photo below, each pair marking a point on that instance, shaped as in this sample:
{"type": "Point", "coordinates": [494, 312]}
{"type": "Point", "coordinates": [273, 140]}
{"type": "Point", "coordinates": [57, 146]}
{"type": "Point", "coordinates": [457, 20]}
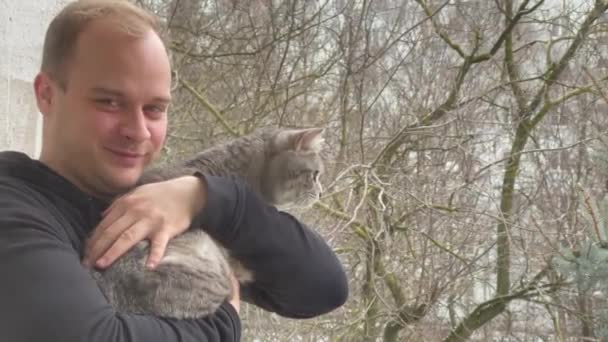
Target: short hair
{"type": "Point", "coordinates": [63, 31]}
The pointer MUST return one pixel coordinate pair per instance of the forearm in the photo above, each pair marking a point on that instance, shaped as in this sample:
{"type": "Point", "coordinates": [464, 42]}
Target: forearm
{"type": "Point", "coordinates": [46, 295]}
{"type": "Point", "coordinates": [296, 273]}
{"type": "Point", "coordinates": [219, 327]}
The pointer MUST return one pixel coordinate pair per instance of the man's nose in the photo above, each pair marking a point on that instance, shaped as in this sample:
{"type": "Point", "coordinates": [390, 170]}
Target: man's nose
{"type": "Point", "coordinates": [134, 126]}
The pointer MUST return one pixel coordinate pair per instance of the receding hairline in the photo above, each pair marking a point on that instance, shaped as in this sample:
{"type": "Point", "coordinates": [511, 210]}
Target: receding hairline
{"type": "Point", "coordinates": [73, 20]}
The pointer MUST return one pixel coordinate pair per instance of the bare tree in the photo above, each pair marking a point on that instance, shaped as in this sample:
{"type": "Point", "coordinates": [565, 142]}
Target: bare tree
{"type": "Point", "coordinates": [457, 135]}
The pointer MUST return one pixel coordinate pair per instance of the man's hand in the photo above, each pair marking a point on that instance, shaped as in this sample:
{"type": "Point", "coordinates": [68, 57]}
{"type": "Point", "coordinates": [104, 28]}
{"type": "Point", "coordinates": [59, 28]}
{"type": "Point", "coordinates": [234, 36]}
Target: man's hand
{"type": "Point", "coordinates": [156, 211]}
{"type": "Point", "coordinates": [235, 301]}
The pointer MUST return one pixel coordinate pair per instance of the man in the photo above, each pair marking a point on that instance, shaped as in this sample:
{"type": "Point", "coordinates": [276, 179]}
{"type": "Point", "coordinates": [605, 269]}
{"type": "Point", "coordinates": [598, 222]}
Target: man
{"type": "Point", "coordinates": [103, 90]}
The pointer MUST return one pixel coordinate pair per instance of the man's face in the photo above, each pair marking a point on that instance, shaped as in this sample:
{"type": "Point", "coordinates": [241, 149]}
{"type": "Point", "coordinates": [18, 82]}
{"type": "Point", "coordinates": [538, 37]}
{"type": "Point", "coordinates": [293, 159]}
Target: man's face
{"type": "Point", "coordinates": [110, 121]}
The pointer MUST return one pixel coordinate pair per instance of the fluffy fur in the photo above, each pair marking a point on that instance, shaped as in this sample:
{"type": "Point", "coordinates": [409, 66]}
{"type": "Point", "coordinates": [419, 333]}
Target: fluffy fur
{"type": "Point", "coordinates": [192, 279]}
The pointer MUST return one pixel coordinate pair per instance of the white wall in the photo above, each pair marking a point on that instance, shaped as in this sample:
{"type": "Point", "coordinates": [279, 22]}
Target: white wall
{"type": "Point", "coordinates": [22, 27]}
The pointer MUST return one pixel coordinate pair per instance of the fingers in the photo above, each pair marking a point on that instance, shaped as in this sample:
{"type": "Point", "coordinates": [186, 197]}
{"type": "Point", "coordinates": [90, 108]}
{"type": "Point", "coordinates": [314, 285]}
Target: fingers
{"type": "Point", "coordinates": [104, 235]}
{"type": "Point", "coordinates": [156, 212]}
{"type": "Point", "coordinates": [158, 244]}
{"type": "Point", "coordinates": [121, 244]}
{"type": "Point", "coordinates": [235, 301]}
{"type": "Point", "coordinates": [110, 207]}
{"type": "Point", "coordinates": [120, 230]}
{"type": "Point", "coordinates": [110, 216]}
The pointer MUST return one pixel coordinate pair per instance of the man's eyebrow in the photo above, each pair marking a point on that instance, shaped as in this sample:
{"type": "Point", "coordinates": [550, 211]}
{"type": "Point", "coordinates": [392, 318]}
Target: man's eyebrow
{"type": "Point", "coordinates": [118, 93]}
{"type": "Point", "coordinates": [162, 99]}
{"type": "Point", "coordinates": [107, 91]}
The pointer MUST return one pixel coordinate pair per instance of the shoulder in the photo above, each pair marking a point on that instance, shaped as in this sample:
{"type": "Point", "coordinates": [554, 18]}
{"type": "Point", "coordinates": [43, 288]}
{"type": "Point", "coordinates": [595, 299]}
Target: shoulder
{"type": "Point", "coordinates": [23, 208]}
{"type": "Point", "coordinates": [22, 182]}
{"type": "Point", "coordinates": [31, 205]}
{"type": "Point", "coordinates": [16, 193]}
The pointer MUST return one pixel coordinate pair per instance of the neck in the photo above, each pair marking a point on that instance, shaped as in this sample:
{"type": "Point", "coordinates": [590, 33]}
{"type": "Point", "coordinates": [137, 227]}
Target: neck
{"type": "Point", "coordinates": [81, 184]}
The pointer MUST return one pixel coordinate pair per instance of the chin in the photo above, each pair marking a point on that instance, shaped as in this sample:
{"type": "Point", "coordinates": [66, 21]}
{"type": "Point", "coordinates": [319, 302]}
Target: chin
{"type": "Point", "coordinates": [125, 180]}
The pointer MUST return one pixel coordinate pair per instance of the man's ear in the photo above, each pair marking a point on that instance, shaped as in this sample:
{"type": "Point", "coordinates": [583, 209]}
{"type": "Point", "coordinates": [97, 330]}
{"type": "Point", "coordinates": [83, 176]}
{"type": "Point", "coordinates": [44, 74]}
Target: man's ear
{"type": "Point", "coordinates": [43, 88]}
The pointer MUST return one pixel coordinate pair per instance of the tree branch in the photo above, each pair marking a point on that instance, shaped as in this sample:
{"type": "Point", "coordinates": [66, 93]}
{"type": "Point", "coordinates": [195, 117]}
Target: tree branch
{"type": "Point", "coordinates": [203, 101]}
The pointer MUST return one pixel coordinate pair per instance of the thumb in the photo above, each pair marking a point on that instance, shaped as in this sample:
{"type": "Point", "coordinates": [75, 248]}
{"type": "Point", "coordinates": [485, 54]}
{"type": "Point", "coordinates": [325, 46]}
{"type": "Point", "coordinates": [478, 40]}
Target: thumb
{"type": "Point", "coordinates": [158, 244]}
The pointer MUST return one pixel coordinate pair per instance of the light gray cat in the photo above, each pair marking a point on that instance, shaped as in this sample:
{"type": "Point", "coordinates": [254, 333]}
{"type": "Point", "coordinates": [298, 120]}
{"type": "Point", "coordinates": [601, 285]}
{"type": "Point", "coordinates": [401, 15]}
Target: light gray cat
{"type": "Point", "coordinates": [192, 279]}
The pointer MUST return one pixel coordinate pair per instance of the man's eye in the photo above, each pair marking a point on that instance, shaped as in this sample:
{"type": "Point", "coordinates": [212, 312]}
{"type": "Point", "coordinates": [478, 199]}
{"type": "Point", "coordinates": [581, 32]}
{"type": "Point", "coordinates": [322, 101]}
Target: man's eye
{"type": "Point", "coordinates": [107, 103]}
{"type": "Point", "coordinates": [155, 111]}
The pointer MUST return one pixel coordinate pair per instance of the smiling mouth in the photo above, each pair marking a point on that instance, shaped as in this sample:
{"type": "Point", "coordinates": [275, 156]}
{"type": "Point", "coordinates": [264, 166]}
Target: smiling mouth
{"type": "Point", "coordinates": [128, 154]}
{"type": "Point", "coordinates": [126, 157]}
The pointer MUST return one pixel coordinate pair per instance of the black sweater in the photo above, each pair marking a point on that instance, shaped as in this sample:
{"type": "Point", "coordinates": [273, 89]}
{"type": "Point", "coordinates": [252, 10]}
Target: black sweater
{"type": "Point", "coordinates": [46, 295]}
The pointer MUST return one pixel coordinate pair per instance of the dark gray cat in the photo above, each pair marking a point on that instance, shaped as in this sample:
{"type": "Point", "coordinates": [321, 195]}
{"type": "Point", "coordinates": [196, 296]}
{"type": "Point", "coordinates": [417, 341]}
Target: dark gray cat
{"type": "Point", "coordinates": [192, 279]}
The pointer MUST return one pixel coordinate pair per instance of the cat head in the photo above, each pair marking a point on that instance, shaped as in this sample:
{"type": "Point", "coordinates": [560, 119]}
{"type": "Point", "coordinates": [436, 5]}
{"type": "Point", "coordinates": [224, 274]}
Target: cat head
{"type": "Point", "coordinates": [294, 167]}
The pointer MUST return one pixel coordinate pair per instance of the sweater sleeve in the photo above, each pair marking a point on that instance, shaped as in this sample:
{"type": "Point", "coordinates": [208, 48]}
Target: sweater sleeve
{"type": "Point", "coordinates": [47, 295]}
{"type": "Point", "coordinates": [296, 274]}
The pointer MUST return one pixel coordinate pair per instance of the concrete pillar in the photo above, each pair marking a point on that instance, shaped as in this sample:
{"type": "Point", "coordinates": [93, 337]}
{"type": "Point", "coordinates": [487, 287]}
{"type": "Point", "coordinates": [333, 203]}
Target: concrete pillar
{"type": "Point", "coordinates": [22, 27]}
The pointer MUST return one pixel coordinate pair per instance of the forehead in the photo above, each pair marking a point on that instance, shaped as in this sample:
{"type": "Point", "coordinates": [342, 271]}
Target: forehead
{"type": "Point", "coordinates": [104, 55]}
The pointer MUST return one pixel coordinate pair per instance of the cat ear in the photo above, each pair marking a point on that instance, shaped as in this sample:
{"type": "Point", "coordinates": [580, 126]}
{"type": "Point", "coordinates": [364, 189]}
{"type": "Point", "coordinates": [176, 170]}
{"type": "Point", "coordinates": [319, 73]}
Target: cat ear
{"type": "Point", "coordinates": [310, 140]}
